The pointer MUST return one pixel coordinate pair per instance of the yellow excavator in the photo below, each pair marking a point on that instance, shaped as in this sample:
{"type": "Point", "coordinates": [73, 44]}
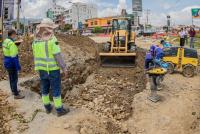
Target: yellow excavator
{"type": "Point", "coordinates": [120, 51]}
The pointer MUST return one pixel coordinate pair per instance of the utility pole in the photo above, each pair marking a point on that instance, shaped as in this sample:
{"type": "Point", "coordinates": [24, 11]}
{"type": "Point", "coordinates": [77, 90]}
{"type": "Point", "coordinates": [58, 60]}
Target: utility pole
{"type": "Point", "coordinates": [18, 9]}
{"type": "Point", "coordinates": [2, 18]}
{"type": "Point", "coordinates": [192, 21]}
{"type": "Point", "coordinates": [168, 22]}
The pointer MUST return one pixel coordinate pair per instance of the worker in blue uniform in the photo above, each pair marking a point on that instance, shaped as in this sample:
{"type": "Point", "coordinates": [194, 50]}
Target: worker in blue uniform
{"type": "Point", "coordinates": [165, 44]}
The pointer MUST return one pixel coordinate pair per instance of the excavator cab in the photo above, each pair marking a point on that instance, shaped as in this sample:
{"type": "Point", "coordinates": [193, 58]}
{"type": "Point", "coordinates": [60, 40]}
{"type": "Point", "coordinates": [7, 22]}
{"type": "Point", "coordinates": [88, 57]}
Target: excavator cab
{"type": "Point", "coordinates": [120, 51]}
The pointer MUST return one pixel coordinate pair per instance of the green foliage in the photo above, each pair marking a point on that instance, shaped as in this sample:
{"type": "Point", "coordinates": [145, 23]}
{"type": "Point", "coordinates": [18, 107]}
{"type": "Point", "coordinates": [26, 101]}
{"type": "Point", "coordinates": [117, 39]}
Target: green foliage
{"type": "Point", "coordinates": [198, 35]}
{"type": "Point", "coordinates": [67, 27]}
{"type": "Point", "coordinates": [97, 30]}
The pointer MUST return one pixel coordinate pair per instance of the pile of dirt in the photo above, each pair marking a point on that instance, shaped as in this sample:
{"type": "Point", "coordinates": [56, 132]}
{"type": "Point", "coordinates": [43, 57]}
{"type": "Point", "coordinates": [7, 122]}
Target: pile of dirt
{"type": "Point", "coordinates": [82, 43]}
{"type": "Point", "coordinates": [5, 114]}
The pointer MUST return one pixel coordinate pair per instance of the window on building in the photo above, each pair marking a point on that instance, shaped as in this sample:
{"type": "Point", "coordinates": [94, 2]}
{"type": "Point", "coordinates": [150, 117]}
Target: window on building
{"type": "Point", "coordinates": [70, 10]}
{"type": "Point", "coordinates": [95, 22]}
{"type": "Point", "coordinates": [84, 9]}
{"type": "Point", "coordinates": [92, 23]}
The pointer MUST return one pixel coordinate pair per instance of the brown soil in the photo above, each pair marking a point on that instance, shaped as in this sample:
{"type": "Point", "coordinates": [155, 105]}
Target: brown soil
{"type": "Point", "coordinates": [5, 113]}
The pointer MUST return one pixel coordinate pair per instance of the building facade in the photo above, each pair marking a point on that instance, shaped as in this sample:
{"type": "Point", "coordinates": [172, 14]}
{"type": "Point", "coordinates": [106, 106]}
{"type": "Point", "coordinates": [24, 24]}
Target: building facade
{"type": "Point", "coordinates": [78, 13]}
{"type": "Point", "coordinates": [137, 11]}
{"type": "Point", "coordinates": [104, 22]}
{"type": "Point", "coordinates": [54, 11]}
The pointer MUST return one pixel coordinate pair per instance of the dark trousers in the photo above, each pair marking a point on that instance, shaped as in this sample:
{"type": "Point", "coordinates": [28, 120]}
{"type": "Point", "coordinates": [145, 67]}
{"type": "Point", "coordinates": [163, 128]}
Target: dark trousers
{"type": "Point", "coordinates": [13, 79]}
{"type": "Point", "coordinates": [148, 63]}
{"type": "Point", "coordinates": [182, 42]}
{"type": "Point", "coordinates": [51, 80]}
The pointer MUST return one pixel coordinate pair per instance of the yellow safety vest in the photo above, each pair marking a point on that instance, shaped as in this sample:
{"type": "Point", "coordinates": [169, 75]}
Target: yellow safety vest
{"type": "Point", "coordinates": [44, 52]}
{"type": "Point", "coordinates": [9, 48]}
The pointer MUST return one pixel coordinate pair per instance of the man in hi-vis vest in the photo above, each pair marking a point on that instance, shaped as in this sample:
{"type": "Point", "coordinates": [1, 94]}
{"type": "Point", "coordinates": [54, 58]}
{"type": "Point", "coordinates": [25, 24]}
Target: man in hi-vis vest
{"type": "Point", "coordinates": [48, 62]}
{"type": "Point", "coordinates": [11, 62]}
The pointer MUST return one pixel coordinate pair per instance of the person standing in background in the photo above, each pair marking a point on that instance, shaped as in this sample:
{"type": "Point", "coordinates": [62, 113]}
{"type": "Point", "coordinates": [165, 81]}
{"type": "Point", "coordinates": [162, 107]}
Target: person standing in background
{"type": "Point", "coordinates": [11, 62]}
{"type": "Point", "coordinates": [182, 37]}
{"type": "Point", "coordinates": [1, 38]}
{"type": "Point", "coordinates": [186, 35]}
{"type": "Point", "coordinates": [192, 34]}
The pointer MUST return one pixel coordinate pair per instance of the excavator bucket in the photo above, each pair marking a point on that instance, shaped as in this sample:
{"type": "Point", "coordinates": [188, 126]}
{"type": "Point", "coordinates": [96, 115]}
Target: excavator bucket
{"type": "Point", "coordinates": [123, 60]}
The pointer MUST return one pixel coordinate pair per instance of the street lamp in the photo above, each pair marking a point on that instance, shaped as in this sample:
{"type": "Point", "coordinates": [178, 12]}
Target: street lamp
{"type": "Point", "coordinates": [2, 18]}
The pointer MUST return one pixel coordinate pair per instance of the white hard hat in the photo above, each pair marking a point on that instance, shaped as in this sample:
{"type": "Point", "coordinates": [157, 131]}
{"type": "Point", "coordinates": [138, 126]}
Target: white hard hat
{"type": "Point", "coordinates": [46, 22]}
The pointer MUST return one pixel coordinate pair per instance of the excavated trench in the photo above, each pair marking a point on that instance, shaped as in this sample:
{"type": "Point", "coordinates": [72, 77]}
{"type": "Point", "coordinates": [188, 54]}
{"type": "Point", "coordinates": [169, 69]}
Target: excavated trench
{"type": "Point", "coordinates": [77, 74]}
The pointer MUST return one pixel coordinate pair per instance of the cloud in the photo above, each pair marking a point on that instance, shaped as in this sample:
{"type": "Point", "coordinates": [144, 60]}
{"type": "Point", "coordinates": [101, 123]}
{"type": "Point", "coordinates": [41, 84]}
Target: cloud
{"type": "Point", "coordinates": [113, 10]}
{"type": "Point", "coordinates": [122, 5]}
{"type": "Point", "coordinates": [183, 16]}
{"type": "Point", "coordinates": [37, 9]}
{"type": "Point", "coordinates": [178, 17]}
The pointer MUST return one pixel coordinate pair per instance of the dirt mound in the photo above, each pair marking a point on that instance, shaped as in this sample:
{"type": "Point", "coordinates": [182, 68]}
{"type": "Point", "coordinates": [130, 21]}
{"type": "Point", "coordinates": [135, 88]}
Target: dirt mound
{"type": "Point", "coordinates": [81, 42]}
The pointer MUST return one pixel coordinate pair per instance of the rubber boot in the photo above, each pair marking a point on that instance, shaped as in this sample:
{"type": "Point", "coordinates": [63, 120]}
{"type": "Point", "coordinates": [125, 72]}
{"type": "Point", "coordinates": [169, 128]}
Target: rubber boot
{"type": "Point", "coordinates": [63, 112]}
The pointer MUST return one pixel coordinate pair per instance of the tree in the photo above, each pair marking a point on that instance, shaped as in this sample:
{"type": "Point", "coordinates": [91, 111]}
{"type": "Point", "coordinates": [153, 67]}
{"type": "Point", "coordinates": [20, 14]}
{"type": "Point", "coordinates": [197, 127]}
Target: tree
{"type": "Point", "coordinates": [67, 27]}
{"type": "Point", "coordinates": [97, 30]}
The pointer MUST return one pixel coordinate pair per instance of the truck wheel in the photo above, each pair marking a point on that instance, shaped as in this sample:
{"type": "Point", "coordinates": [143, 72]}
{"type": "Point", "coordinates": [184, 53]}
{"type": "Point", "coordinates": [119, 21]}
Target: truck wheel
{"type": "Point", "coordinates": [170, 68]}
{"type": "Point", "coordinates": [188, 71]}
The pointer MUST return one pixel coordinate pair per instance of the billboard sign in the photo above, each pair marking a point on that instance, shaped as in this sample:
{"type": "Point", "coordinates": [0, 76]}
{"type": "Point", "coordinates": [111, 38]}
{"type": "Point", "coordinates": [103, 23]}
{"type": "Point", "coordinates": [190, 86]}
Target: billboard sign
{"type": "Point", "coordinates": [137, 5]}
{"type": "Point", "coordinates": [50, 14]}
{"type": "Point", "coordinates": [196, 13]}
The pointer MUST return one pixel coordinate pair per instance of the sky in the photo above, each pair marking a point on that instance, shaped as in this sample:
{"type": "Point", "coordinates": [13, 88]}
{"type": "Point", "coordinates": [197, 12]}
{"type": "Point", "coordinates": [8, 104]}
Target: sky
{"type": "Point", "coordinates": [179, 10]}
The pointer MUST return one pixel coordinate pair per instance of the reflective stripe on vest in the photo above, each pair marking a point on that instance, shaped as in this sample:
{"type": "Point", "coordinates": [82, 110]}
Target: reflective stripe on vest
{"type": "Point", "coordinates": [44, 65]}
{"type": "Point", "coordinates": [45, 59]}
